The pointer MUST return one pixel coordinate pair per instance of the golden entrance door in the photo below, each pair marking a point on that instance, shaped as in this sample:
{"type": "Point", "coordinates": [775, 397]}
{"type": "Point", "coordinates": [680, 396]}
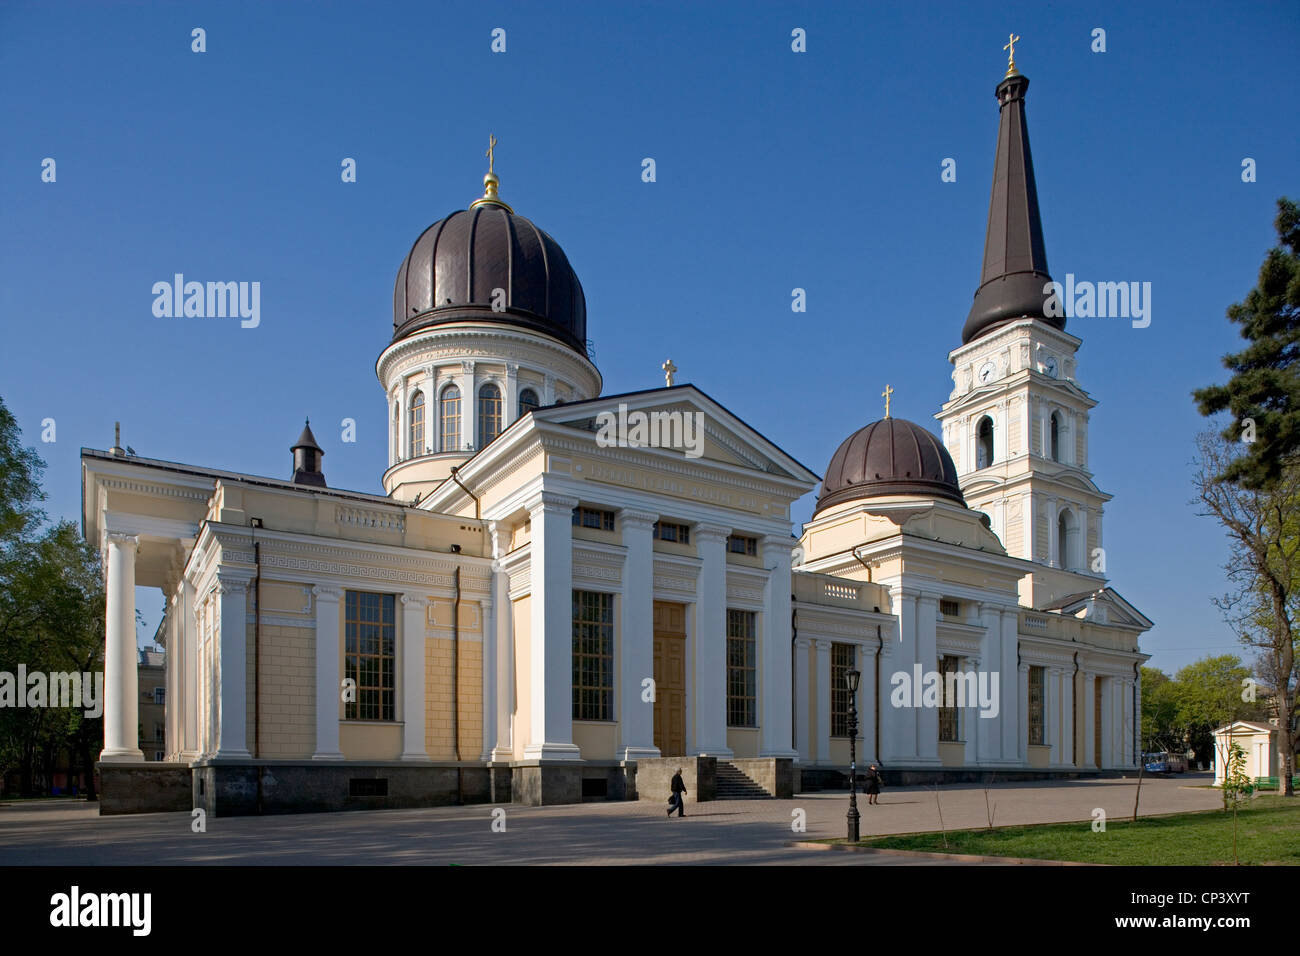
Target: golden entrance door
{"type": "Point", "coordinates": [670, 678]}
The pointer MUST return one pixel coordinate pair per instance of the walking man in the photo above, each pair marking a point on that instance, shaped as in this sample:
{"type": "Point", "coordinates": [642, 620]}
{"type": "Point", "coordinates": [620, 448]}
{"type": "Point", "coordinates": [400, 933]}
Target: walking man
{"type": "Point", "coordinates": [675, 802]}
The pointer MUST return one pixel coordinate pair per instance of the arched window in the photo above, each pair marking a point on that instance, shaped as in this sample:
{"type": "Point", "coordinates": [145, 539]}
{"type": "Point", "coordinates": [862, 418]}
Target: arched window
{"type": "Point", "coordinates": [449, 419]}
{"type": "Point", "coordinates": [527, 402]}
{"type": "Point", "coordinates": [417, 425]}
{"type": "Point", "coordinates": [984, 443]}
{"type": "Point", "coordinates": [1056, 437]}
{"type": "Point", "coordinates": [1067, 532]}
{"type": "Point", "coordinates": [489, 414]}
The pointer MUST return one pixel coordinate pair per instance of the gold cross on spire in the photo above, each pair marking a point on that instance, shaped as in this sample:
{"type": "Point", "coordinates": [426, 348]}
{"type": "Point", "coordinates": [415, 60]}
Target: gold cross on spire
{"type": "Point", "coordinates": [669, 371]}
{"type": "Point", "coordinates": [887, 393]}
{"type": "Point", "coordinates": [492, 145]}
{"type": "Point", "coordinates": [1011, 53]}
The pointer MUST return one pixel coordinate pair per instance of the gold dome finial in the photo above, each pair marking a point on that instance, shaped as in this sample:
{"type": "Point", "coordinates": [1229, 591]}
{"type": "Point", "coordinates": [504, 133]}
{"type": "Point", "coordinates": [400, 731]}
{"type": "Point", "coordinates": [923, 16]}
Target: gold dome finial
{"type": "Point", "coordinates": [490, 181]}
{"type": "Point", "coordinates": [1011, 54]}
{"type": "Point", "coordinates": [887, 394]}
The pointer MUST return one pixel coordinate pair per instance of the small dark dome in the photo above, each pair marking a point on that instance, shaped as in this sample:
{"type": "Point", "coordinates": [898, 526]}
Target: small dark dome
{"type": "Point", "coordinates": [450, 274]}
{"type": "Point", "coordinates": [889, 457]}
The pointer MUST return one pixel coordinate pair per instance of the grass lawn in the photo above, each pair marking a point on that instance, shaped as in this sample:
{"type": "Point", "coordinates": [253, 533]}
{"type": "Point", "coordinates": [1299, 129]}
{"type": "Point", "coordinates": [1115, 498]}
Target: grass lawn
{"type": "Point", "coordinates": [1267, 832]}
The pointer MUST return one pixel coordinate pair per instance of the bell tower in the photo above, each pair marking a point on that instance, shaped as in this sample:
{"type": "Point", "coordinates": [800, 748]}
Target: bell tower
{"type": "Point", "coordinates": [1016, 423]}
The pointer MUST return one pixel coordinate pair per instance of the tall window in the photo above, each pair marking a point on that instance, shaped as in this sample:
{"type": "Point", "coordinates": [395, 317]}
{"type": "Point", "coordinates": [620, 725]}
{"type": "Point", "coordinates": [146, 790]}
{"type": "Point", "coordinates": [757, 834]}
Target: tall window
{"type": "Point", "coordinates": [449, 419]}
{"type": "Point", "coordinates": [948, 724]}
{"type": "Point", "coordinates": [844, 658]}
{"type": "Point", "coordinates": [742, 669]}
{"type": "Point", "coordinates": [417, 424]}
{"type": "Point", "coordinates": [1055, 425]}
{"type": "Point", "coordinates": [1064, 538]}
{"type": "Point", "coordinates": [489, 414]}
{"type": "Point", "coordinates": [984, 443]}
{"type": "Point", "coordinates": [369, 632]}
{"type": "Point", "coordinates": [593, 655]}
{"type": "Point", "coordinates": [1037, 706]}
{"type": "Point", "coordinates": [527, 402]}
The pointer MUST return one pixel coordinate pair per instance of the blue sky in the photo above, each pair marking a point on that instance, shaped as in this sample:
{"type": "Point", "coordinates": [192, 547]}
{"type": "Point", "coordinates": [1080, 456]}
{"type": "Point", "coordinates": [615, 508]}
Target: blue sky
{"type": "Point", "coordinates": [775, 170]}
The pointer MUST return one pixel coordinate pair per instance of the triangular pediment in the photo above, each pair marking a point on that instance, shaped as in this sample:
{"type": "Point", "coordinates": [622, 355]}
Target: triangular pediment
{"type": "Point", "coordinates": [1104, 606]}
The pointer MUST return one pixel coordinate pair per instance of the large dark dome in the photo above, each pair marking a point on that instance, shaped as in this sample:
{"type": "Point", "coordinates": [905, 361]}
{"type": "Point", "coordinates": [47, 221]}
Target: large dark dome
{"type": "Point", "coordinates": [889, 457]}
{"type": "Point", "coordinates": [450, 274]}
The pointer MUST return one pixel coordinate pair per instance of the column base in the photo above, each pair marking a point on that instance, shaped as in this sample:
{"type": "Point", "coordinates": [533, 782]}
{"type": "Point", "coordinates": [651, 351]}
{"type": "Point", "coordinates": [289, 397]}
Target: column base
{"type": "Point", "coordinates": [639, 753]}
{"type": "Point", "coordinates": [415, 758]}
{"type": "Point", "coordinates": [328, 756]}
{"type": "Point", "coordinates": [553, 751]}
{"type": "Point", "coordinates": [121, 755]}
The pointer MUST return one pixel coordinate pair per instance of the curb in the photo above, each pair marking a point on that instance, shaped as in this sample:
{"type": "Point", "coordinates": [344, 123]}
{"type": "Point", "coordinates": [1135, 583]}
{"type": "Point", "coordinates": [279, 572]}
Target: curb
{"type": "Point", "coordinates": [927, 855]}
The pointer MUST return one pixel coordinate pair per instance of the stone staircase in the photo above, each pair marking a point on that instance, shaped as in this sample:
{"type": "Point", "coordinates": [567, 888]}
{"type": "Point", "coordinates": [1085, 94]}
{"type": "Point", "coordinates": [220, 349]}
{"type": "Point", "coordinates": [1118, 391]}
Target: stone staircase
{"type": "Point", "coordinates": [732, 784]}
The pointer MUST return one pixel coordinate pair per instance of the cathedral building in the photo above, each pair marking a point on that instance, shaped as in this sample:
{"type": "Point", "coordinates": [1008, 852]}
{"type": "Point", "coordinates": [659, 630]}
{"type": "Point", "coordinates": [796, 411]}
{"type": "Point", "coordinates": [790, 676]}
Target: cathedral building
{"type": "Point", "coordinates": [542, 608]}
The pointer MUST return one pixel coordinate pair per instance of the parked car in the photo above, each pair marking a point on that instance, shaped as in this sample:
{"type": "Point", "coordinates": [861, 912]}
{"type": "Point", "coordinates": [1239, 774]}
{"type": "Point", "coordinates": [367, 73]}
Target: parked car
{"type": "Point", "coordinates": [1166, 763]}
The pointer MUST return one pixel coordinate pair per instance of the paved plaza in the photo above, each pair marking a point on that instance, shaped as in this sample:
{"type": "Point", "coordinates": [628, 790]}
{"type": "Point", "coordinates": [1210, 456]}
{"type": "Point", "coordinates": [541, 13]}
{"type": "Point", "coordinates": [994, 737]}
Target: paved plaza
{"type": "Point", "coordinates": [64, 833]}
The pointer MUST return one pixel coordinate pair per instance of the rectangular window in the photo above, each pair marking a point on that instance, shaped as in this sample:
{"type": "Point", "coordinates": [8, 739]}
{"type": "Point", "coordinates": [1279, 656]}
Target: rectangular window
{"type": "Point", "coordinates": [1037, 705]}
{"type": "Point", "coordinates": [844, 658]}
{"type": "Point", "coordinates": [160, 695]}
{"type": "Point", "coordinates": [950, 608]}
{"type": "Point", "coordinates": [743, 544]}
{"type": "Point", "coordinates": [593, 655]}
{"type": "Point", "coordinates": [598, 518]}
{"type": "Point", "coordinates": [670, 531]}
{"type": "Point", "coordinates": [742, 669]}
{"type": "Point", "coordinates": [369, 650]}
{"type": "Point", "coordinates": [948, 725]}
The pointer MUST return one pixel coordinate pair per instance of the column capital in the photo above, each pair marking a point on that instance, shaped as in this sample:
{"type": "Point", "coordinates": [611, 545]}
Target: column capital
{"type": "Point", "coordinates": [228, 583]}
{"type": "Point", "coordinates": [929, 597]}
{"type": "Point", "coordinates": [803, 643]}
{"type": "Point", "coordinates": [414, 600]}
{"type": "Point", "coordinates": [122, 539]}
{"type": "Point", "coordinates": [641, 520]}
{"type": "Point", "coordinates": [467, 366]}
{"type": "Point", "coordinates": [708, 530]}
{"type": "Point", "coordinates": [778, 542]}
{"type": "Point", "coordinates": [550, 501]}
{"type": "Point", "coordinates": [326, 592]}
{"type": "Point", "coordinates": [1024, 668]}
{"type": "Point", "coordinates": [823, 646]}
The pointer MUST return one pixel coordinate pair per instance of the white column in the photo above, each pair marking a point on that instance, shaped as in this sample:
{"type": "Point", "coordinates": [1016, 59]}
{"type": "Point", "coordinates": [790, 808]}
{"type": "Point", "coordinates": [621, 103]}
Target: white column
{"type": "Point", "coordinates": [1023, 710]}
{"type": "Point", "coordinates": [1014, 732]}
{"type": "Point", "coordinates": [1082, 560]}
{"type": "Point", "coordinates": [867, 691]}
{"type": "Point", "coordinates": [1067, 718]}
{"type": "Point", "coordinates": [902, 737]}
{"type": "Point", "coordinates": [822, 696]}
{"type": "Point", "coordinates": [1053, 529]}
{"type": "Point", "coordinates": [1107, 721]}
{"type": "Point", "coordinates": [414, 614]}
{"type": "Point", "coordinates": [502, 676]}
{"type": "Point", "coordinates": [548, 389]}
{"type": "Point", "coordinates": [987, 728]}
{"type": "Point", "coordinates": [1089, 719]}
{"type": "Point", "coordinates": [172, 660]}
{"type": "Point", "coordinates": [190, 635]}
{"type": "Point", "coordinates": [430, 410]}
{"type": "Point", "coordinates": [551, 635]}
{"type": "Point", "coordinates": [468, 404]}
{"type": "Point", "coordinates": [1052, 703]}
{"type": "Point", "coordinates": [969, 717]}
{"type": "Point", "coordinates": [1027, 516]}
{"type": "Point", "coordinates": [927, 655]}
{"type": "Point", "coordinates": [636, 636]}
{"type": "Point", "coordinates": [1027, 424]}
{"type": "Point", "coordinates": [232, 673]}
{"type": "Point", "coordinates": [511, 397]}
{"type": "Point", "coordinates": [774, 677]}
{"type": "Point", "coordinates": [328, 686]}
{"type": "Point", "coordinates": [710, 642]}
{"type": "Point", "coordinates": [121, 680]}
{"type": "Point", "coordinates": [802, 700]}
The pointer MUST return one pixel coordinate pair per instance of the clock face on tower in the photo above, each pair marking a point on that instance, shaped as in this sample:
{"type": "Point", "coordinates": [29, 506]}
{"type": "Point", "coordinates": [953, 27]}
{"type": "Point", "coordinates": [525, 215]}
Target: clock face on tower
{"type": "Point", "coordinates": [1049, 366]}
{"type": "Point", "coordinates": [986, 373]}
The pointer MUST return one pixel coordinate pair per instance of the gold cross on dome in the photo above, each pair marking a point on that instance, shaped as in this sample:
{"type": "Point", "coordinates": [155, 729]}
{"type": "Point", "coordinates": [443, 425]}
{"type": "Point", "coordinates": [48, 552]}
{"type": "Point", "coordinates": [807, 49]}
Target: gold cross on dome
{"type": "Point", "coordinates": [669, 370]}
{"type": "Point", "coordinates": [1011, 53]}
{"type": "Point", "coordinates": [492, 145]}
{"type": "Point", "coordinates": [887, 393]}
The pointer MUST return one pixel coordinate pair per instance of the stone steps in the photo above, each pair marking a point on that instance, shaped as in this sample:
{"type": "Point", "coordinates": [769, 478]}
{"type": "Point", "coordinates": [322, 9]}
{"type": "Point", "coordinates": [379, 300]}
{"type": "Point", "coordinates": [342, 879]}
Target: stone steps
{"type": "Point", "coordinates": [733, 784]}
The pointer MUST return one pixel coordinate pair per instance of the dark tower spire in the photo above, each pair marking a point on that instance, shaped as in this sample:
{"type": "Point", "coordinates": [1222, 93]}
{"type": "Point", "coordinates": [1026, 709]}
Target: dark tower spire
{"type": "Point", "coordinates": [306, 459]}
{"type": "Point", "coordinates": [1015, 259]}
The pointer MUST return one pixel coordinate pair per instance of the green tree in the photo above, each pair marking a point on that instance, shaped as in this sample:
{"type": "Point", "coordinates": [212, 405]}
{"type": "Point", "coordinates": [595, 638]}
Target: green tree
{"type": "Point", "coordinates": [51, 616]}
{"type": "Point", "coordinates": [1209, 694]}
{"type": "Point", "coordinates": [1265, 382]}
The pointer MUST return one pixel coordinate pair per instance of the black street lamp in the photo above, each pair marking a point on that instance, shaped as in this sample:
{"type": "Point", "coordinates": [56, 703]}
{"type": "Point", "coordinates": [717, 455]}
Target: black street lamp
{"type": "Point", "coordinates": [853, 677]}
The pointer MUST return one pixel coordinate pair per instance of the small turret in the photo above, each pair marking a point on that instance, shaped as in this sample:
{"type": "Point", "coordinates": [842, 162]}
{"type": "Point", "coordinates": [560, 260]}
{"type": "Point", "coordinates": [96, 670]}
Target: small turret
{"type": "Point", "coordinates": [307, 459]}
